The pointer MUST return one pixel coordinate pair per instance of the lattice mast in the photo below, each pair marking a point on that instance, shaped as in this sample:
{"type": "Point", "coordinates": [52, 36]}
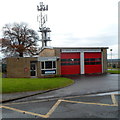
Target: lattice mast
{"type": "Point", "coordinates": [42, 19]}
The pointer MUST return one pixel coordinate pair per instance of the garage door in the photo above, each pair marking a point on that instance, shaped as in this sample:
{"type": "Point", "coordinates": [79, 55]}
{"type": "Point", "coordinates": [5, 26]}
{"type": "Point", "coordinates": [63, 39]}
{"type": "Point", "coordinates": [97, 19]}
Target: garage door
{"type": "Point", "coordinates": [93, 62]}
{"type": "Point", "coordinates": [70, 63]}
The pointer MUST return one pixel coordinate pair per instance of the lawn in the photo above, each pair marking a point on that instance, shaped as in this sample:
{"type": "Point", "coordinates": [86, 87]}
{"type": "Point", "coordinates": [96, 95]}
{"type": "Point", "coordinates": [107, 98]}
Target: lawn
{"type": "Point", "coordinates": [114, 71]}
{"type": "Point", "coordinates": [10, 85]}
{"type": "Point", "coordinates": [0, 74]}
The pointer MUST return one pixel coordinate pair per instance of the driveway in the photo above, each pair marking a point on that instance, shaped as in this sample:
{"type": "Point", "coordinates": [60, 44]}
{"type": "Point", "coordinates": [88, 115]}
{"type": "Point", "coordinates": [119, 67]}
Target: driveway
{"type": "Point", "coordinates": [84, 85]}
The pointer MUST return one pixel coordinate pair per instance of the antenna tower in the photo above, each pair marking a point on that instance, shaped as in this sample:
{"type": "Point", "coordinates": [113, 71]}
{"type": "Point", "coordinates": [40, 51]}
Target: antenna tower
{"type": "Point", "coordinates": [42, 19]}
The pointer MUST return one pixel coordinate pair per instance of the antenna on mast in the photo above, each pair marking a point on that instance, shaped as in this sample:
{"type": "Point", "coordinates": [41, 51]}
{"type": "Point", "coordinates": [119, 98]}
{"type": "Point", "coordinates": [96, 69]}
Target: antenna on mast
{"type": "Point", "coordinates": [42, 19]}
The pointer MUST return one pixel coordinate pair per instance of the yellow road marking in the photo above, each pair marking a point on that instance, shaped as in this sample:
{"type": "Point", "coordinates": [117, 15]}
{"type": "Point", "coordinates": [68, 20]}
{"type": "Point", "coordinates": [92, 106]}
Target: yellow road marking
{"type": "Point", "coordinates": [31, 113]}
{"type": "Point", "coordinates": [22, 111]}
{"type": "Point", "coordinates": [53, 108]}
{"type": "Point", "coordinates": [75, 96]}
{"type": "Point", "coordinates": [114, 99]}
{"type": "Point", "coordinates": [89, 103]}
{"type": "Point", "coordinates": [56, 105]}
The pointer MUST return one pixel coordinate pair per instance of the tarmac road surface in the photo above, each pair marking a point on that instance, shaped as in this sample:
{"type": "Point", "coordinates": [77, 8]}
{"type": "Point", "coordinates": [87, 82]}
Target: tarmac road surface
{"type": "Point", "coordinates": [68, 107]}
{"type": "Point", "coordinates": [83, 85]}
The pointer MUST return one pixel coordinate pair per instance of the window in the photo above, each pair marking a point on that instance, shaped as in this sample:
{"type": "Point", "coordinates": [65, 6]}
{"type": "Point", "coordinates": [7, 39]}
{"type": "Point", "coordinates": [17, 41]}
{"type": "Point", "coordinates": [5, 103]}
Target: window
{"type": "Point", "coordinates": [54, 64]}
{"type": "Point", "coordinates": [97, 59]}
{"type": "Point", "coordinates": [97, 63]}
{"type": "Point", "coordinates": [87, 63]}
{"type": "Point", "coordinates": [92, 61]}
{"type": "Point", "coordinates": [86, 59]}
{"type": "Point", "coordinates": [42, 64]}
{"type": "Point", "coordinates": [72, 61]}
{"type": "Point", "coordinates": [48, 65]}
{"type": "Point", "coordinates": [32, 66]}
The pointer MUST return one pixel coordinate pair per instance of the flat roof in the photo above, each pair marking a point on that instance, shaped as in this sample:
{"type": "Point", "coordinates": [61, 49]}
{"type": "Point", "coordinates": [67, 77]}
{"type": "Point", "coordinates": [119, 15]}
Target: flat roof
{"type": "Point", "coordinates": [80, 47]}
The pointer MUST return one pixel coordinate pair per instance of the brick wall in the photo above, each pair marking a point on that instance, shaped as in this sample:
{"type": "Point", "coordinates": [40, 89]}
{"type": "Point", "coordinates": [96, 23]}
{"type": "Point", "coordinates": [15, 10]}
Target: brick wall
{"type": "Point", "coordinates": [47, 52]}
{"type": "Point", "coordinates": [104, 52]}
{"type": "Point", "coordinates": [19, 67]}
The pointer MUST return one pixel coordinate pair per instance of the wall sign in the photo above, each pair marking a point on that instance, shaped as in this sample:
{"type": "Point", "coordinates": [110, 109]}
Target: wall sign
{"type": "Point", "coordinates": [47, 58]}
{"type": "Point", "coordinates": [80, 50]}
{"type": "Point", "coordinates": [26, 69]}
{"type": "Point", "coordinates": [48, 72]}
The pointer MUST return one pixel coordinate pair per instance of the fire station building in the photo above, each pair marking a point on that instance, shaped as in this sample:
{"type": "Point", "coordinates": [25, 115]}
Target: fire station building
{"type": "Point", "coordinates": [59, 61]}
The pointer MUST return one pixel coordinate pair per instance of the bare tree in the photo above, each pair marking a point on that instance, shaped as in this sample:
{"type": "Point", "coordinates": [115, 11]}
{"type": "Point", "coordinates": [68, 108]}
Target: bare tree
{"type": "Point", "coordinates": [19, 40]}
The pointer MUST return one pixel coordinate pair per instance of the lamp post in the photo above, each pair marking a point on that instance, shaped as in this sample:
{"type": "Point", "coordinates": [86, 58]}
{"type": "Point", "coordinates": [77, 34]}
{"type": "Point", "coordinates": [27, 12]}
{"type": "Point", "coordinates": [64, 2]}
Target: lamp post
{"type": "Point", "coordinates": [111, 58]}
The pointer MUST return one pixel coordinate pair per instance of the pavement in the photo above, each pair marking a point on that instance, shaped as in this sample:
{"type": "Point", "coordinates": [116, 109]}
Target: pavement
{"type": "Point", "coordinates": [89, 84]}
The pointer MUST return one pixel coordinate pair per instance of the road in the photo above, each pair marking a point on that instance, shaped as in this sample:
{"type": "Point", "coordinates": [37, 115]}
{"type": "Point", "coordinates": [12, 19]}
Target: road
{"type": "Point", "coordinates": [103, 106]}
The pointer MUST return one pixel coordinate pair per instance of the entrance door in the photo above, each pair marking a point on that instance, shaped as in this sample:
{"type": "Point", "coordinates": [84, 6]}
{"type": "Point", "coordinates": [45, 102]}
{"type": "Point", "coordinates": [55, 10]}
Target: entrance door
{"type": "Point", "coordinates": [33, 69]}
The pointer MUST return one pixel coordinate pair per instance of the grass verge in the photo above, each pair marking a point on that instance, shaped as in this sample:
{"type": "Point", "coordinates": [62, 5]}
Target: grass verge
{"type": "Point", "coordinates": [10, 85]}
{"type": "Point", "coordinates": [0, 75]}
{"type": "Point", "coordinates": [114, 71]}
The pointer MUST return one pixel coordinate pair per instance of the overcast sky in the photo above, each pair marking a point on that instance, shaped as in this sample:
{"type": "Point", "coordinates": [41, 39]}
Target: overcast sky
{"type": "Point", "coordinates": [74, 23]}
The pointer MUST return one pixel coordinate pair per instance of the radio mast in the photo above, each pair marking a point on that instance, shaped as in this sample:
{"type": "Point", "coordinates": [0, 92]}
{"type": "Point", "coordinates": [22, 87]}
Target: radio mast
{"type": "Point", "coordinates": [42, 19]}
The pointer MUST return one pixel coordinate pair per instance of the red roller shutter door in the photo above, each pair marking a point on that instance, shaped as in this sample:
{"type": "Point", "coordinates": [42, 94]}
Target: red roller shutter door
{"type": "Point", "coordinates": [70, 63]}
{"type": "Point", "coordinates": [93, 62]}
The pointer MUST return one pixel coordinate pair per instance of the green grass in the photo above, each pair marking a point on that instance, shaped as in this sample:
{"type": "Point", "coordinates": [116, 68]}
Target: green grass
{"type": "Point", "coordinates": [114, 71]}
{"type": "Point", "coordinates": [10, 85]}
{"type": "Point", "coordinates": [0, 74]}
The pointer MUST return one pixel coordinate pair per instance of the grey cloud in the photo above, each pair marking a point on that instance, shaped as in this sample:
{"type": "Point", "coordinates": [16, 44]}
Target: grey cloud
{"type": "Point", "coordinates": [104, 40]}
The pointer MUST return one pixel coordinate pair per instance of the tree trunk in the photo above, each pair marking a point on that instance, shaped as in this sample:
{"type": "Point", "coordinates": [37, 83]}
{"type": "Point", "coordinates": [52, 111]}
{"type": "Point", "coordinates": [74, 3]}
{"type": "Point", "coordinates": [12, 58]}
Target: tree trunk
{"type": "Point", "coordinates": [20, 54]}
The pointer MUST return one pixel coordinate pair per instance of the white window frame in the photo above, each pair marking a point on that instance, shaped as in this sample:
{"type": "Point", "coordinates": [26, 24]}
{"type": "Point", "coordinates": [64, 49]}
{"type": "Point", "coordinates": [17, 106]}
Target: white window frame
{"type": "Point", "coordinates": [50, 68]}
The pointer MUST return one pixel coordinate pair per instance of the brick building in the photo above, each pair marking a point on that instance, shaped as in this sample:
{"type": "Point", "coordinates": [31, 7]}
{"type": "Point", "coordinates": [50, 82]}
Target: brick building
{"type": "Point", "coordinates": [60, 61]}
